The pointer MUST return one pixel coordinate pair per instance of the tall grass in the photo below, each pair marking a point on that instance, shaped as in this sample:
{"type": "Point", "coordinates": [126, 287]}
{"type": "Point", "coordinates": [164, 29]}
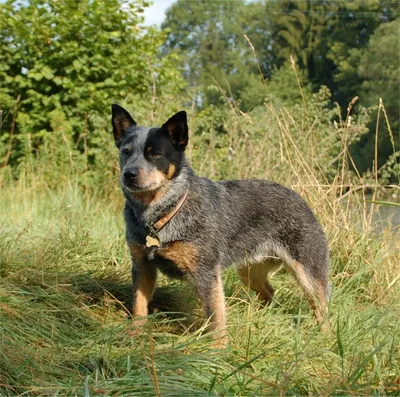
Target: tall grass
{"type": "Point", "coordinates": [65, 278]}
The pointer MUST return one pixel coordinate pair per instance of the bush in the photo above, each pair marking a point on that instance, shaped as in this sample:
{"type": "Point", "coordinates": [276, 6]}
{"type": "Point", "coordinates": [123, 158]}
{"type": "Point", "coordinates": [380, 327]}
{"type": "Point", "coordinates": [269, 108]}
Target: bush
{"type": "Point", "coordinates": [76, 58]}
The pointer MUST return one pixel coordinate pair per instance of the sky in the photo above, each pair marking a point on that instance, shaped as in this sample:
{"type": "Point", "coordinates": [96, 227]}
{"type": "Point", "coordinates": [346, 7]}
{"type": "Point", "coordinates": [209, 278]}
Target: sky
{"type": "Point", "coordinates": [156, 12]}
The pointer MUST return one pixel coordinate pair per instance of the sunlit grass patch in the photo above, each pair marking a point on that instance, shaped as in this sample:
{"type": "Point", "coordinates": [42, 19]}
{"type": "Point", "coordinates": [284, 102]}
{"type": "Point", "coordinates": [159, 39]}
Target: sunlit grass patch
{"type": "Point", "coordinates": [65, 296]}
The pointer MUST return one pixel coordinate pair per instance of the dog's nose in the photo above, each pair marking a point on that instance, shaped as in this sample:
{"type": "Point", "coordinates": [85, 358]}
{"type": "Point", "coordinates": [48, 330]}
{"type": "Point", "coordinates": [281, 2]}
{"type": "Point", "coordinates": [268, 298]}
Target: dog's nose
{"type": "Point", "coordinates": [130, 174]}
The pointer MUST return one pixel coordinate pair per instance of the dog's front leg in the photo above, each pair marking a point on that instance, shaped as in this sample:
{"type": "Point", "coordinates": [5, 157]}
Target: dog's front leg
{"type": "Point", "coordinates": [144, 278]}
{"type": "Point", "coordinates": [211, 292]}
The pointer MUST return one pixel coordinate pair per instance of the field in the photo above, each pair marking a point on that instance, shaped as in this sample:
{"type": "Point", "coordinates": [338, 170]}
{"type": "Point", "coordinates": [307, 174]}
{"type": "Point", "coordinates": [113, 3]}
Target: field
{"type": "Point", "coordinates": [65, 292]}
{"type": "Point", "coordinates": [304, 93]}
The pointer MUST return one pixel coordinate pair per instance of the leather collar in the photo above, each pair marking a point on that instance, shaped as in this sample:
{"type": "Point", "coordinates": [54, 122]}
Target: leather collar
{"type": "Point", "coordinates": [152, 239]}
{"type": "Point", "coordinates": [167, 217]}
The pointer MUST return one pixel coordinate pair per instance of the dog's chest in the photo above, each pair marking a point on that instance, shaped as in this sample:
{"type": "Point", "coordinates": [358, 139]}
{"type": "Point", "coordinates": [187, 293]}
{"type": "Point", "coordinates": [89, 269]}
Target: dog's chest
{"type": "Point", "coordinates": [176, 259]}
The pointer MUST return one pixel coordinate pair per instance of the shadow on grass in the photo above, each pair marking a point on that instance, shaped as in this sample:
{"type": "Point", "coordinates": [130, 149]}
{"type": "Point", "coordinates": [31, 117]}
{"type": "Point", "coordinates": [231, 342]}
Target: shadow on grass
{"type": "Point", "coordinates": [171, 300]}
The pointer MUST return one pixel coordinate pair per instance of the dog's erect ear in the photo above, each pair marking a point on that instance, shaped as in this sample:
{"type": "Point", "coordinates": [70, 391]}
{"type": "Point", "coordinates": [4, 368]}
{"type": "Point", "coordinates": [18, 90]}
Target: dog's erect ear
{"type": "Point", "coordinates": [121, 121]}
{"type": "Point", "coordinates": [178, 130]}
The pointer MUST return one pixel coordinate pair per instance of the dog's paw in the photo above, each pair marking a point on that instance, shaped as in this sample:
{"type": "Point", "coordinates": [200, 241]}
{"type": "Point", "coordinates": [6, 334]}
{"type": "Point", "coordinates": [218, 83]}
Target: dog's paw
{"type": "Point", "coordinates": [220, 340]}
{"type": "Point", "coordinates": [221, 344]}
{"type": "Point", "coordinates": [135, 332]}
{"type": "Point", "coordinates": [139, 321]}
{"type": "Point", "coordinates": [136, 328]}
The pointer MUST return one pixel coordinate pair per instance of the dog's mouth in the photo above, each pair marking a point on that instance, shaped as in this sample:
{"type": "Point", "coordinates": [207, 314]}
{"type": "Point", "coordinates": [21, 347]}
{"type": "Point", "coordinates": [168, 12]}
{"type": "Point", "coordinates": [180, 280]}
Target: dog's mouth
{"type": "Point", "coordinates": [140, 181]}
{"type": "Point", "coordinates": [140, 188]}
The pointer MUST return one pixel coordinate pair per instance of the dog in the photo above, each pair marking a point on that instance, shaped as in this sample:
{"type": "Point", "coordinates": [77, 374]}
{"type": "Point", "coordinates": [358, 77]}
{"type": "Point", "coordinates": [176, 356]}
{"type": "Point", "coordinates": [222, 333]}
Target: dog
{"type": "Point", "coordinates": [189, 227]}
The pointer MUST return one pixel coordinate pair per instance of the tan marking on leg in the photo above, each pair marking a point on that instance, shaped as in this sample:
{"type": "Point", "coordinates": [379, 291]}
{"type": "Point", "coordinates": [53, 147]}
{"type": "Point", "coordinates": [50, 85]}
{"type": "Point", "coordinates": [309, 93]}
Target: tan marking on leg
{"type": "Point", "coordinates": [254, 276]}
{"type": "Point", "coordinates": [301, 276]}
{"type": "Point", "coordinates": [315, 292]}
{"type": "Point", "coordinates": [269, 292]}
{"type": "Point", "coordinates": [218, 319]}
{"type": "Point", "coordinates": [320, 307]}
{"type": "Point", "coordinates": [145, 285]}
{"type": "Point", "coordinates": [183, 254]}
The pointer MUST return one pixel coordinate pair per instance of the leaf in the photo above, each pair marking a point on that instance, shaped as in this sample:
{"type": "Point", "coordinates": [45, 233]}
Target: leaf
{"type": "Point", "coordinates": [47, 73]}
{"type": "Point", "coordinates": [35, 75]}
{"type": "Point", "coordinates": [77, 65]}
{"type": "Point", "coordinates": [58, 80]}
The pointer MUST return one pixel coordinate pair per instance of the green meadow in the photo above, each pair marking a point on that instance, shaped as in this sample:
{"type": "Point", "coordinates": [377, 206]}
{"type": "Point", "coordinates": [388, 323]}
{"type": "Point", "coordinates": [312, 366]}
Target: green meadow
{"type": "Point", "coordinates": [273, 89]}
{"type": "Point", "coordinates": [65, 296]}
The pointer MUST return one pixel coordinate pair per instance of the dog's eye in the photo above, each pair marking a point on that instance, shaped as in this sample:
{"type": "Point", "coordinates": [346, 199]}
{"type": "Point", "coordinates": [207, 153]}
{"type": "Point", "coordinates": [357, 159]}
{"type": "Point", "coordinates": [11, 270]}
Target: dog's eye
{"type": "Point", "coordinates": [125, 151]}
{"type": "Point", "coordinates": [155, 155]}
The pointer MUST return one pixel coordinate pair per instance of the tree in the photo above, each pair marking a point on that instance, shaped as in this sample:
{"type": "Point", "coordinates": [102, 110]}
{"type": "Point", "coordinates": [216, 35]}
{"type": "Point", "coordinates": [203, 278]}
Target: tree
{"type": "Point", "coordinates": [209, 37]}
{"type": "Point", "coordinates": [76, 57]}
{"type": "Point", "coordinates": [353, 49]}
{"type": "Point", "coordinates": [324, 36]}
{"type": "Point", "coordinates": [379, 70]}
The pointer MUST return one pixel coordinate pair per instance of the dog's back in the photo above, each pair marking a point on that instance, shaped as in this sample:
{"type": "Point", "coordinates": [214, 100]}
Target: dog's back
{"type": "Point", "coordinates": [258, 217]}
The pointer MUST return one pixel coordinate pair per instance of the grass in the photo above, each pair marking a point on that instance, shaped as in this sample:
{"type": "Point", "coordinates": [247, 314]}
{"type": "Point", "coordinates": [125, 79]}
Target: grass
{"type": "Point", "coordinates": [65, 329]}
{"type": "Point", "coordinates": [65, 279]}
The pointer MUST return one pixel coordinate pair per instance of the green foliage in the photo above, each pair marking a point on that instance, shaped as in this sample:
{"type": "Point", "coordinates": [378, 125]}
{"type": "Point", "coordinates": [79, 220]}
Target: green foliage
{"type": "Point", "coordinates": [323, 36]}
{"type": "Point", "coordinates": [326, 36]}
{"type": "Point", "coordinates": [283, 88]}
{"type": "Point", "coordinates": [77, 57]}
{"type": "Point", "coordinates": [351, 48]}
{"type": "Point", "coordinates": [329, 40]}
{"type": "Point", "coordinates": [379, 69]}
{"type": "Point", "coordinates": [209, 37]}
{"type": "Point", "coordinates": [297, 29]}
{"type": "Point", "coordinates": [79, 69]}
{"type": "Point", "coordinates": [64, 266]}
{"type": "Point", "coordinates": [227, 143]}
{"type": "Point", "coordinates": [223, 138]}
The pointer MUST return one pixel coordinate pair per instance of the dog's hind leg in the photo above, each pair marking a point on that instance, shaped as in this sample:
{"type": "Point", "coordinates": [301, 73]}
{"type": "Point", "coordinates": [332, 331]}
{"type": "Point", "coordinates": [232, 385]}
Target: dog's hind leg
{"type": "Point", "coordinates": [316, 288]}
{"type": "Point", "coordinates": [255, 277]}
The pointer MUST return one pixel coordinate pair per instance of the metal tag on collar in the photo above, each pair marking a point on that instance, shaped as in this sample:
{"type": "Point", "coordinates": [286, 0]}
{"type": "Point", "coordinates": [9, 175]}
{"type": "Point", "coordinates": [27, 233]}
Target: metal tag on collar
{"type": "Point", "coordinates": [152, 242]}
{"type": "Point", "coordinates": [152, 239]}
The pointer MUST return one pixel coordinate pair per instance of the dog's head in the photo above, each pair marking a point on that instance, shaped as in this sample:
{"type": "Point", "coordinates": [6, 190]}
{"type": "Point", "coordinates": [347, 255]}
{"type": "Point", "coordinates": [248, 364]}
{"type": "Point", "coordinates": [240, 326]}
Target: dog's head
{"type": "Point", "coordinates": [149, 157]}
